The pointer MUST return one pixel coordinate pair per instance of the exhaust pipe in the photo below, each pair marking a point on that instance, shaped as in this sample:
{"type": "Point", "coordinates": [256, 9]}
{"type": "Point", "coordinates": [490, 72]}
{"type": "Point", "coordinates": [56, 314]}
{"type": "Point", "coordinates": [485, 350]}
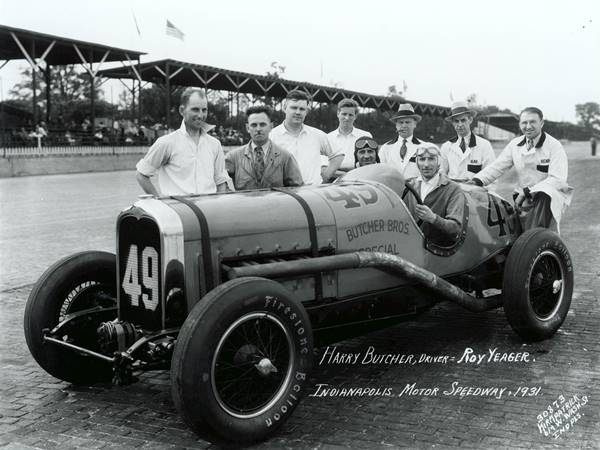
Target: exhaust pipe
{"type": "Point", "coordinates": [378, 260]}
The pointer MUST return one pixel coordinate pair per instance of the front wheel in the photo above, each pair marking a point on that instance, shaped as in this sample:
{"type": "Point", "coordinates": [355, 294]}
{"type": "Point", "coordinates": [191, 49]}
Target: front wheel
{"type": "Point", "coordinates": [80, 282]}
{"type": "Point", "coordinates": [538, 284]}
{"type": "Point", "coordinates": [241, 361]}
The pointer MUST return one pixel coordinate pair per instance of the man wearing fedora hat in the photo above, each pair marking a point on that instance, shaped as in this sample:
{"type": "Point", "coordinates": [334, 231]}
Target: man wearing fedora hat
{"type": "Point", "coordinates": [466, 154]}
{"type": "Point", "coordinates": [400, 151]}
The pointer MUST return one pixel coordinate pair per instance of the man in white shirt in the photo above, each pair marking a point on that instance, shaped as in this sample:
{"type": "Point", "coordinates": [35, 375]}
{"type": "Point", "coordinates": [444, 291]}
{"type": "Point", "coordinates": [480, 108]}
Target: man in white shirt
{"type": "Point", "coordinates": [188, 160]}
{"type": "Point", "coordinates": [441, 216]}
{"type": "Point", "coordinates": [343, 138]}
{"type": "Point", "coordinates": [400, 151]}
{"type": "Point", "coordinates": [305, 143]}
{"type": "Point", "coordinates": [465, 154]}
{"type": "Point", "coordinates": [542, 167]}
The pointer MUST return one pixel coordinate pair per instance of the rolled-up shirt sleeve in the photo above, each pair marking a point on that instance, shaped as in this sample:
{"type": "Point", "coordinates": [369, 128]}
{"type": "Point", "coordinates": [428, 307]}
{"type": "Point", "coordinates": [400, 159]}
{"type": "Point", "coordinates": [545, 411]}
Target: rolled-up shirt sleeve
{"type": "Point", "coordinates": [156, 157]}
{"type": "Point", "coordinates": [221, 175]}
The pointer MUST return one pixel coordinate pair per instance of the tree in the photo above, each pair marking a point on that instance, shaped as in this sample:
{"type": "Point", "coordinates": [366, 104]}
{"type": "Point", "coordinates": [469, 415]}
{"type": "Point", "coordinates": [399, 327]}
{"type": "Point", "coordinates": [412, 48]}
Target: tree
{"type": "Point", "coordinates": [69, 87]}
{"type": "Point", "coordinates": [278, 70]}
{"type": "Point", "coordinates": [589, 115]}
{"type": "Point", "coordinates": [472, 101]}
{"type": "Point", "coordinates": [393, 92]}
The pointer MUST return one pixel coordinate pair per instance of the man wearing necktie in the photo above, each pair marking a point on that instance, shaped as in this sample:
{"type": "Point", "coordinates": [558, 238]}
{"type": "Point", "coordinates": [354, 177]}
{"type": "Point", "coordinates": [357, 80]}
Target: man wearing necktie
{"type": "Point", "coordinates": [400, 151]}
{"type": "Point", "coordinates": [261, 163]}
{"type": "Point", "coordinates": [466, 154]}
{"type": "Point", "coordinates": [442, 213]}
{"type": "Point", "coordinates": [540, 161]}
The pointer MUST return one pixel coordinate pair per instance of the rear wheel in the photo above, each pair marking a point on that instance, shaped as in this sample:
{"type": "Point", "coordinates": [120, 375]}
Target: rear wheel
{"type": "Point", "coordinates": [80, 282]}
{"type": "Point", "coordinates": [241, 361]}
{"type": "Point", "coordinates": [538, 284]}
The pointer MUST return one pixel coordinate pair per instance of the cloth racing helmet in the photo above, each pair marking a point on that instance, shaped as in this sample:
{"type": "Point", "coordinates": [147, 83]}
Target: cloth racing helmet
{"type": "Point", "coordinates": [362, 142]}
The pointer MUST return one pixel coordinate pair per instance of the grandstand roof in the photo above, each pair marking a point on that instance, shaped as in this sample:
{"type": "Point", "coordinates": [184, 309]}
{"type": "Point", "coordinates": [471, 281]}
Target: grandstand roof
{"type": "Point", "coordinates": [62, 50]}
{"type": "Point", "coordinates": [180, 73]}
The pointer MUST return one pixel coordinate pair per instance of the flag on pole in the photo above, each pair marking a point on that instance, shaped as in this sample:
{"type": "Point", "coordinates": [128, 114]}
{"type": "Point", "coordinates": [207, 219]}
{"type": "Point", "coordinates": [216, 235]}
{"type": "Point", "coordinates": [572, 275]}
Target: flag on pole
{"type": "Point", "coordinates": [172, 30]}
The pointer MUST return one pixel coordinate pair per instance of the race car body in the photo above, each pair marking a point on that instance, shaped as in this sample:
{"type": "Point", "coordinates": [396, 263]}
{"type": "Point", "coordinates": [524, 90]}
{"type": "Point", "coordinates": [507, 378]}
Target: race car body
{"type": "Point", "coordinates": [230, 291]}
{"type": "Point", "coordinates": [192, 240]}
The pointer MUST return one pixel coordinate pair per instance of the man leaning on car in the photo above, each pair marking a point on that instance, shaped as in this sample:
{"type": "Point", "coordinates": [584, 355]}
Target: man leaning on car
{"type": "Point", "coordinates": [188, 160]}
{"type": "Point", "coordinates": [541, 165]}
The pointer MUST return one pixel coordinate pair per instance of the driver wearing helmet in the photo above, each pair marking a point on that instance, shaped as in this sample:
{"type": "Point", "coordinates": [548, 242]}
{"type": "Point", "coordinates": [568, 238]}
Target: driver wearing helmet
{"type": "Point", "coordinates": [366, 151]}
{"type": "Point", "coordinates": [440, 216]}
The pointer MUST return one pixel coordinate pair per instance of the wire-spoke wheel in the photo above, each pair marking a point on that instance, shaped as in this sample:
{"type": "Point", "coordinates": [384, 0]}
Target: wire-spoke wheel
{"type": "Point", "coordinates": [538, 284]}
{"type": "Point", "coordinates": [252, 364]}
{"type": "Point", "coordinates": [546, 285]}
{"type": "Point", "coordinates": [80, 282]}
{"type": "Point", "coordinates": [241, 361]}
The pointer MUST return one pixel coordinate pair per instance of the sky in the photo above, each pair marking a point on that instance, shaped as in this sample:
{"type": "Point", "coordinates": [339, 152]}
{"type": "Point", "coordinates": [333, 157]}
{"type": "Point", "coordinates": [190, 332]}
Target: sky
{"type": "Point", "coordinates": [510, 53]}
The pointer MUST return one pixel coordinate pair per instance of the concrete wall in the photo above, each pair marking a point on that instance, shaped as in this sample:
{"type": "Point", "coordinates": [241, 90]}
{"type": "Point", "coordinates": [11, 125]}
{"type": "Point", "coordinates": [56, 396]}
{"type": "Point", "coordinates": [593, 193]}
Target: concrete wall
{"type": "Point", "coordinates": [18, 166]}
{"type": "Point", "coordinates": [48, 165]}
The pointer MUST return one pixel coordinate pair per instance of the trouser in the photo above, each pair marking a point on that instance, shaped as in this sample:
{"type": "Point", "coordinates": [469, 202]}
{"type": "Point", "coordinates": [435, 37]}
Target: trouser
{"type": "Point", "coordinates": [540, 215]}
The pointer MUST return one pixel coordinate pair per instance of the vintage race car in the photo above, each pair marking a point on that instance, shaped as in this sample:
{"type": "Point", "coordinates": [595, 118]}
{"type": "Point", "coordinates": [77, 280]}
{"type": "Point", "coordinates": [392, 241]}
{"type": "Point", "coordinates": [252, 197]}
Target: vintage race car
{"type": "Point", "coordinates": [232, 291]}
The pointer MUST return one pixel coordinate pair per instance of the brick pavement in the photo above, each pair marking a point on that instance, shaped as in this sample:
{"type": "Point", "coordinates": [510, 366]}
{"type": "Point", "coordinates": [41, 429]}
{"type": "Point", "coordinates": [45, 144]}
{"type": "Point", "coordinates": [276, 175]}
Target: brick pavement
{"type": "Point", "coordinates": [38, 411]}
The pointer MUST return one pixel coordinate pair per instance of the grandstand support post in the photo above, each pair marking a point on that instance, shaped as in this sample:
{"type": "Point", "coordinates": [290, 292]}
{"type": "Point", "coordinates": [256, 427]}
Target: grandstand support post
{"type": "Point", "coordinates": [139, 113]}
{"type": "Point", "coordinates": [48, 80]}
{"type": "Point", "coordinates": [34, 86]}
{"type": "Point", "coordinates": [237, 109]}
{"type": "Point", "coordinates": [92, 94]}
{"type": "Point", "coordinates": [133, 108]}
{"type": "Point", "coordinates": [168, 86]}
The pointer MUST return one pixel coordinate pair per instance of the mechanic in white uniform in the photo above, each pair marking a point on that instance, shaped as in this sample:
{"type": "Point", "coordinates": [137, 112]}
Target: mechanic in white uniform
{"type": "Point", "coordinates": [542, 167]}
{"type": "Point", "coordinates": [466, 154]}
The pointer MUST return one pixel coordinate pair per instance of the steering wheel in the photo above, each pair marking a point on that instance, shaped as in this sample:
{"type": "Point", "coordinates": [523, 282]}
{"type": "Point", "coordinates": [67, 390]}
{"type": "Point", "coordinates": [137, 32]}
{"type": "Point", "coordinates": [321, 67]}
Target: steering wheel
{"type": "Point", "coordinates": [410, 188]}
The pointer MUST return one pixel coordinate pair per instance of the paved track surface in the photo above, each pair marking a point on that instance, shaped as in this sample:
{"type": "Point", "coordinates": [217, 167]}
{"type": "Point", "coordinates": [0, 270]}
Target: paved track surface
{"type": "Point", "coordinates": [45, 218]}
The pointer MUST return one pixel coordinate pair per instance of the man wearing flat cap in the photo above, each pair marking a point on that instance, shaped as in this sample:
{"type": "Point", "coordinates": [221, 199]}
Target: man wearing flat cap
{"type": "Point", "coordinates": [441, 214]}
{"type": "Point", "coordinates": [466, 154]}
{"type": "Point", "coordinates": [400, 151]}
